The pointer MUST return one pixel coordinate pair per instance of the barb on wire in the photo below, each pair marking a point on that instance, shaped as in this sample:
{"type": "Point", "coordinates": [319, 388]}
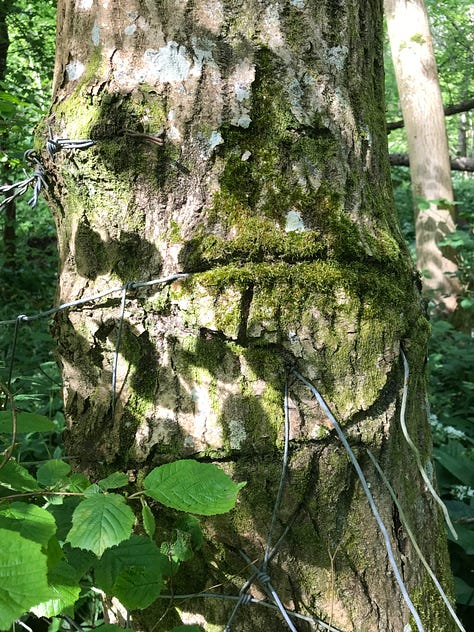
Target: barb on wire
{"type": "Point", "coordinates": [415, 450]}
{"type": "Point", "coordinates": [55, 145]}
{"type": "Point", "coordinates": [251, 601]}
{"type": "Point", "coordinates": [369, 496]}
{"type": "Point", "coordinates": [409, 532]}
{"type": "Point", "coordinates": [37, 180]}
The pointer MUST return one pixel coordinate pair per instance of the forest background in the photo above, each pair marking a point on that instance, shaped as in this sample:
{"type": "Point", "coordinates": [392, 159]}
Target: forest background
{"type": "Point", "coordinates": [28, 258]}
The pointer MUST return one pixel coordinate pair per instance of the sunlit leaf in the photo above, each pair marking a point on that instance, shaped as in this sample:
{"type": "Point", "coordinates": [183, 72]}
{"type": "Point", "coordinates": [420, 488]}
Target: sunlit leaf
{"type": "Point", "coordinates": [30, 521]}
{"type": "Point", "coordinates": [194, 487]}
{"type": "Point", "coordinates": [23, 576]}
{"type": "Point", "coordinates": [64, 591]}
{"type": "Point", "coordinates": [99, 522]}
{"type": "Point", "coordinates": [148, 519]}
{"type": "Point", "coordinates": [113, 481]}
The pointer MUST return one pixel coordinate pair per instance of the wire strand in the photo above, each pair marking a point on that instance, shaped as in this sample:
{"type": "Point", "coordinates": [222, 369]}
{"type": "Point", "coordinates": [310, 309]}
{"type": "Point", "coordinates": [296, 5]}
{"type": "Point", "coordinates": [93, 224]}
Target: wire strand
{"type": "Point", "coordinates": [370, 498]}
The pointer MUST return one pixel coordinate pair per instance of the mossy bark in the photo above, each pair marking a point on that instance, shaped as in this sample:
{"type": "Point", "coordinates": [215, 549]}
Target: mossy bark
{"type": "Point", "coordinates": [244, 143]}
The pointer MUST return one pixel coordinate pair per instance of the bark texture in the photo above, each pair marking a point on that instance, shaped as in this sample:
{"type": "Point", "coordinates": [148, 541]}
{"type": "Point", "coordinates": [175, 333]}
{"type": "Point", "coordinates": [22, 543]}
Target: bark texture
{"type": "Point", "coordinates": [420, 97]}
{"type": "Point", "coordinates": [245, 143]}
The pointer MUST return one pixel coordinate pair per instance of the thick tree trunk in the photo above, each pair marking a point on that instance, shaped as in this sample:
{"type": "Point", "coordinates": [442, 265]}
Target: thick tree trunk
{"type": "Point", "coordinates": [245, 144]}
{"type": "Point", "coordinates": [430, 170]}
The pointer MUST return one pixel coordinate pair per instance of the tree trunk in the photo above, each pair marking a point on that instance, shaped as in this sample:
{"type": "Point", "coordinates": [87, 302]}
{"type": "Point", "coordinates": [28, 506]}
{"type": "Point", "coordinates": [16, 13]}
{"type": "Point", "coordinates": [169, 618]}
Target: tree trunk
{"type": "Point", "coordinates": [245, 144]}
{"type": "Point", "coordinates": [422, 107]}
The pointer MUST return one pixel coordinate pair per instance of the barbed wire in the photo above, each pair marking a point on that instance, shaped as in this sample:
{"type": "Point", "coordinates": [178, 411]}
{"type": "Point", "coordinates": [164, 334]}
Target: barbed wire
{"type": "Point", "coordinates": [260, 573]}
{"type": "Point", "coordinates": [39, 180]}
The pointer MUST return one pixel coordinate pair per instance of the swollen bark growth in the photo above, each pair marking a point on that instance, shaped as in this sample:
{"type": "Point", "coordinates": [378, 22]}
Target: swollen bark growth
{"type": "Point", "coordinates": [245, 143]}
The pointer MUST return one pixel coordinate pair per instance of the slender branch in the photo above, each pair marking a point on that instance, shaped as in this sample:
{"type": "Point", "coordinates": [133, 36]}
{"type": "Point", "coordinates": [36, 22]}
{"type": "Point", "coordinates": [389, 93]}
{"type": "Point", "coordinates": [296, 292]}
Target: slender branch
{"type": "Point", "coordinates": [462, 163]}
{"type": "Point", "coordinates": [449, 110]}
{"type": "Point", "coordinates": [40, 492]}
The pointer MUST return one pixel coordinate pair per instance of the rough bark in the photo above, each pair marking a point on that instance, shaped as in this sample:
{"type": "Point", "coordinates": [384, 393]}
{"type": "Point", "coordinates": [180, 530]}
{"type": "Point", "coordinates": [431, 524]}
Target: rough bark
{"type": "Point", "coordinates": [245, 143]}
{"type": "Point", "coordinates": [420, 97]}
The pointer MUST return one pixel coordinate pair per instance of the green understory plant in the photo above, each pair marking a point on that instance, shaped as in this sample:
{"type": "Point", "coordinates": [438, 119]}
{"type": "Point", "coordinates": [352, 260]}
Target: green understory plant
{"type": "Point", "coordinates": [63, 535]}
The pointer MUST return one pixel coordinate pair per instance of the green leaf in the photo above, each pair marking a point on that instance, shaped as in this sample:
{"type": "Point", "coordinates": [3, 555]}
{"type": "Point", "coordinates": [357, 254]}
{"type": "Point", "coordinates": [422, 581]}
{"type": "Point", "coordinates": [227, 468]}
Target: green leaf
{"type": "Point", "coordinates": [23, 576]}
{"type": "Point", "coordinates": [78, 483]}
{"type": "Point", "coordinates": [17, 478]}
{"type": "Point", "coordinates": [193, 487]}
{"type": "Point", "coordinates": [132, 572]}
{"type": "Point", "coordinates": [64, 591]}
{"type": "Point", "coordinates": [99, 522]}
{"type": "Point", "coordinates": [63, 514]}
{"type": "Point", "coordinates": [457, 464]}
{"type": "Point", "coordinates": [187, 628]}
{"type": "Point", "coordinates": [181, 549]}
{"type": "Point", "coordinates": [30, 521]}
{"type": "Point", "coordinates": [113, 481]}
{"type": "Point", "coordinates": [192, 525]}
{"type": "Point", "coordinates": [51, 472]}
{"type": "Point", "coordinates": [465, 538]}
{"type": "Point", "coordinates": [92, 490]}
{"type": "Point", "coordinates": [25, 422]}
{"type": "Point", "coordinates": [54, 552]}
{"type": "Point", "coordinates": [80, 559]}
{"type": "Point", "coordinates": [148, 519]}
{"type": "Point", "coordinates": [464, 592]}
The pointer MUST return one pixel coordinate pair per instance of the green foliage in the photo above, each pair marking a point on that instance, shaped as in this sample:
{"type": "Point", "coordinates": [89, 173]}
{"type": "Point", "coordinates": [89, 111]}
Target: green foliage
{"type": "Point", "coordinates": [193, 487]}
{"type": "Point", "coordinates": [66, 539]}
{"type": "Point", "coordinates": [23, 576]}
{"type": "Point", "coordinates": [452, 403]}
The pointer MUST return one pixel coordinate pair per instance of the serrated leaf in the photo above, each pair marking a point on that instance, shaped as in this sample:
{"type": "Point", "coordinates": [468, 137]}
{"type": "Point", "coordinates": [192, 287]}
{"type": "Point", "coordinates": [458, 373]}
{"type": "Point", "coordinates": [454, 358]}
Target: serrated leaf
{"type": "Point", "coordinates": [25, 422]}
{"type": "Point", "coordinates": [23, 576]}
{"type": "Point", "coordinates": [148, 519]}
{"type": "Point", "coordinates": [99, 522]}
{"type": "Point", "coordinates": [15, 477]}
{"type": "Point", "coordinates": [114, 481]}
{"type": "Point", "coordinates": [51, 472]}
{"type": "Point", "coordinates": [30, 521]}
{"type": "Point", "coordinates": [64, 591]}
{"type": "Point", "coordinates": [132, 572]}
{"type": "Point", "coordinates": [187, 628]}
{"type": "Point", "coordinates": [194, 487]}
{"type": "Point", "coordinates": [92, 490]}
{"type": "Point", "coordinates": [78, 483]}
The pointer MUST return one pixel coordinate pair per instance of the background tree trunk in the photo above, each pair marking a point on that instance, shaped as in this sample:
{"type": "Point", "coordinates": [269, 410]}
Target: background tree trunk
{"type": "Point", "coordinates": [9, 222]}
{"type": "Point", "coordinates": [245, 143]}
{"type": "Point", "coordinates": [420, 97]}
